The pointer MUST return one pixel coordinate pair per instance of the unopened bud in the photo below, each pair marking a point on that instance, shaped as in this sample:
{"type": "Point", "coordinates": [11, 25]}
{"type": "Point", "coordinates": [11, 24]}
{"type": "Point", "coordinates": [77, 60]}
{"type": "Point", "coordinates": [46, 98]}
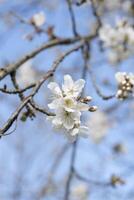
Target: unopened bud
{"type": "Point", "coordinates": [116, 180]}
{"type": "Point", "coordinates": [93, 108]}
{"type": "Point", "coordinates": [86, 99]}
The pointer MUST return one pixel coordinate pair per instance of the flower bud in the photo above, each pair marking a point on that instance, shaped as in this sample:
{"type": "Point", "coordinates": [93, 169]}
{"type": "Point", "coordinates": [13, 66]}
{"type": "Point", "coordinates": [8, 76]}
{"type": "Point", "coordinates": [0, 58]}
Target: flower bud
{"type": "Point", "coordinates": [93, 108]}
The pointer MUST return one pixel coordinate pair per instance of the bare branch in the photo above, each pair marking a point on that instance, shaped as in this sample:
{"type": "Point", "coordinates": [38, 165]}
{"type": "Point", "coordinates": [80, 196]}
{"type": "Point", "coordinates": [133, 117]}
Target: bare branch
{"type": "Point", "coordinates": [14, 116]}
{"type": "Point", "coordinates": [97, 88]}
{"type": "Point", "coordinates": [72, 17]}
{"type": "Point", "coordinates": [71, 171]}
{"type": "Point", "coordinates": [17, 91]}
{"type": "Point", "coordinates": [95, 13]}
{"type": "Point", "coordinates": [114, 180]}
{"type": "Point", "coordinates": [55, 66]}
{"type": "Point", "coordinates": [12, 67]}
{"type": "Point", "coordinates": [42, 110]}
{"type": "Point", "coordinates": [37, 87]}
{"type": "Point", "coordinates": [30, 111]}
{"type": "Point", "coordinates": [90, 181]}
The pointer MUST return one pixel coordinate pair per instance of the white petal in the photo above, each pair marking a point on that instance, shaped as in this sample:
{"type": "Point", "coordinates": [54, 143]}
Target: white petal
{"type": "Point", "coordinates": [55, 104]}
{"type": "Point", "coordinates": [57, 121]}
{"type": "Point", "coordinates": [60, 113]}
{"type": "Point", "coordinates": [76, 116]}
{"type": "Point", "coordinates": [68, 83]}
{"type": "Point", "coordinates": [74, 132]}
{"type": "Point", "coordinates": [68, 123]}
{"type": "Point", "coordinates": [52, 85]}
{"type": "Point", "coordinates": [79, 85]}
{"type": "Point", "coordinates": [69, 109]}
{"type": "Point", "coordinates": [55, 89]}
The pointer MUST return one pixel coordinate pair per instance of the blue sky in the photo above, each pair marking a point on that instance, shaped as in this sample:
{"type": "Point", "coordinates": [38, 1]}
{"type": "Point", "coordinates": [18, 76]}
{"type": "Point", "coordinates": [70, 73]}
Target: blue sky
{"type": "Point", "coordinates": [29, 152]}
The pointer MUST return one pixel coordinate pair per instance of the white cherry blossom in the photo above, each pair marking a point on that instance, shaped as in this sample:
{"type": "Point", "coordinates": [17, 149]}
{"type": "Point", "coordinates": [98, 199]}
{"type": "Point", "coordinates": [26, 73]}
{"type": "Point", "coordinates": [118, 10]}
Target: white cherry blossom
{"type": "Point", "coordinates": [118, 40]}
{"type": "Point", "coordinates": [68, 106]}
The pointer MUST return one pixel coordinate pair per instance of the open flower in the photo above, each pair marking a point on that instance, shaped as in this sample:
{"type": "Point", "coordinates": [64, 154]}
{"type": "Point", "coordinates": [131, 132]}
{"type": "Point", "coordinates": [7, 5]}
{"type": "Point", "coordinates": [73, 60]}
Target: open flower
{"type": "Point", "coordinates": [118, 40]}
{"type": "Point", "coordinates": [68, 106]}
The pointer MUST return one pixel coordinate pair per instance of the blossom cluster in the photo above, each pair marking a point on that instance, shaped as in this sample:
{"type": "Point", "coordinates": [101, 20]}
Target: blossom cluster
{"type": "Point", "coordinates": [125, 85]}
{"type": "Point", "coordinates": [68, 106]}
{"type": "Point", "coordinates": [106, 6]}
{"type": "Point", "coordinates": [119, 40]}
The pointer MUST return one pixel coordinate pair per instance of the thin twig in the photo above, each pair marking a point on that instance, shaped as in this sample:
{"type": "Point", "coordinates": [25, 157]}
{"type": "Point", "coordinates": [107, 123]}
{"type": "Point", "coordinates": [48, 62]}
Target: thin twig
{"type": "Point", "coordinates": [30, 111]}
{"type": "Point", "coordinates": [90, 181]}
{"type": "Point", "coordinates": [97, 88]}
{"type": "Point", "coordinates": [14, 116]}
{"type": "Point", "coordinates": [17, 91]}
{"type": "Point", "coordinates": [12, 67]}
{"type": "Point", "coordinates": [71, 171]}
{"type": "Point", "coordinates": [41, 110]}
{"type": "Point", "coordinates": [72, 17]}
{"type": "Point", "coordinates": [95, 13]}
{"type": "Point", "coordinates": [39, 83]}
{"type": "Point", "coordinates": [6, 70]}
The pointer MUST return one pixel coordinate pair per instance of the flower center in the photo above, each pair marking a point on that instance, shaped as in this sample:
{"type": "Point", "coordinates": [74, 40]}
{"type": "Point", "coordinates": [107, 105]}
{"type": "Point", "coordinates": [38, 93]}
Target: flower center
{"type": "Point", "coordinates": [69, 102]}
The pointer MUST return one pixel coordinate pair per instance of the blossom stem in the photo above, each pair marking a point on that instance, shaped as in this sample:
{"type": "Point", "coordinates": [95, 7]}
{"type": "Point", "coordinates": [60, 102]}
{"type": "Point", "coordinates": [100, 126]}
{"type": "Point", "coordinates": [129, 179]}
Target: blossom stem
{"type": "Point", "coordinates": [71, 170]}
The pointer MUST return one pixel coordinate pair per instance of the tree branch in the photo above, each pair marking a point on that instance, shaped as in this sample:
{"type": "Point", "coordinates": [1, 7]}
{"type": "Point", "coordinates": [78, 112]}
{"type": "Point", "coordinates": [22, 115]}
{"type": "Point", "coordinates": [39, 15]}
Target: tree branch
{"type": "Point", "coordinates": [37, 87]}
{"type": "Point", "coordinates": [17, 91]}
{"type": "Point", "coordinates": [71, 171]}
{"type": "Point", "coordinates": [97, 88]}
{"type": "Point", "coordinates": [13, 67]}
{"type": "Point", "coordinates": [72, 18]}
